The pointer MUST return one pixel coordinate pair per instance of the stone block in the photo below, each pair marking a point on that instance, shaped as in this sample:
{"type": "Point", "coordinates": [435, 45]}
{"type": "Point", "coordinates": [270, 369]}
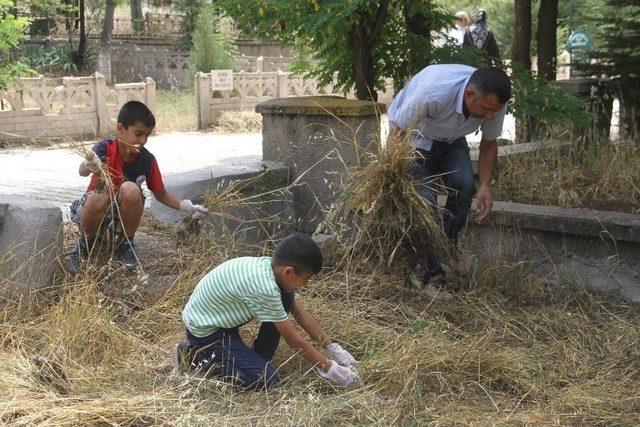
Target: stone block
{"type": "Point", "coordinates": [318, 138]}
{"type": "Point", "coordinates": [593, 249]}
{"type": "Point", "coordinates": [30, 240]}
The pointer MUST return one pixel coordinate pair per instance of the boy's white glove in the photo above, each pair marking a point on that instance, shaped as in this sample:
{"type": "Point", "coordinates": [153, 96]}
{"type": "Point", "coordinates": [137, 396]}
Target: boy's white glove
{"type": "Point", "coordinates": [340, 355]}
{"type": "Point", "coordinates": [198, 211]}
{"type": "Point", "coordinates": [92, 162]}
{"type": "Point", "coordinates": [340, 376]}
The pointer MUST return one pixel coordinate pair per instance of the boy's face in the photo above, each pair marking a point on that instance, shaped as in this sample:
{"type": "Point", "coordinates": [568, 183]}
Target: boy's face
{"type": "Point", "coordinates": [289, 280]}
{"type": "Point", "coordinates": [131, 139]}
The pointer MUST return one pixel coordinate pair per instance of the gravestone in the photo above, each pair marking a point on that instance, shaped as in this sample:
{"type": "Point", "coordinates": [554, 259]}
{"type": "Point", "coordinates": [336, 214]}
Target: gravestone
{"type": "Point", "coordinates": [30, 238]}
{"type": "Point", "coordinates": [318, 138]}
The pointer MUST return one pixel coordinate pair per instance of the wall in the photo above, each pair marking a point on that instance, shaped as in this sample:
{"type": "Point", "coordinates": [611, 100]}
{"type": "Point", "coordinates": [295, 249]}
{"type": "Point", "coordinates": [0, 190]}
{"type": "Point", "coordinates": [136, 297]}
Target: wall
{"type": "Point", "coordinates": [41, 108]}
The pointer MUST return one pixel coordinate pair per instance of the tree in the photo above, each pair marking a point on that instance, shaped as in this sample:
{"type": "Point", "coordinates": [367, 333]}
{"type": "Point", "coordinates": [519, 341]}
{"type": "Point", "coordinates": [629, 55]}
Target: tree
{"type": "Point", "coordinates": [520, 52]}
{"type": "Point", "coordinates": [361, 41]}
{"type": "Point", "coordinates": [12, 32]}
{"type": "Point", "coordinates": [136, 15]}
{"type": "Point", "coordinates": [104, 56]}
{"type": "Point", "coordinates": [546, 39]}
{"type": "Point", "coordinates": [618, 58]}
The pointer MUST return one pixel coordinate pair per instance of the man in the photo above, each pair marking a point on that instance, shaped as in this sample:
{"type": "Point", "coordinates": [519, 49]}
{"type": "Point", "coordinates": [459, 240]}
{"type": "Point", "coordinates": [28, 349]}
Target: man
{"type": "Point", "coordinates": [437, 108]}
{"type": "Point", "coordinates": [461, 27]}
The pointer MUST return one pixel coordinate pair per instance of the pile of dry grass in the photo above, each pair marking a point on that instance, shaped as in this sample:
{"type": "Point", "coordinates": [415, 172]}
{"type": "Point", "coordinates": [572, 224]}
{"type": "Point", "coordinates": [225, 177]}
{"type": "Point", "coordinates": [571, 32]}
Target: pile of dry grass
{"type": "Point", "coordinates": [238, 122]}
{"type": "Point", "coordinates": [599, 176]}
{"type": "Point", "coordinates": [381, 220]}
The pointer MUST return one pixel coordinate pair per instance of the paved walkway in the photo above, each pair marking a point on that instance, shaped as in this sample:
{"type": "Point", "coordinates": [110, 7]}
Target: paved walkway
{"type": "Point", "coordinates": [52, 175]}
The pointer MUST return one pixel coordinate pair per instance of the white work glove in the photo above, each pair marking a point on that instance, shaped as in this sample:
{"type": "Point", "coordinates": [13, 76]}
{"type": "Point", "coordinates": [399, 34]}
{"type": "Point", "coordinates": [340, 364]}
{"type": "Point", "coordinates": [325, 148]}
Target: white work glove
{"type": "Point", "coordinates": [198, 211]}
{"type": "Point", "coordinates": [340, 355]}
{"type": "Point", "coordinates": [92, 162]}
{"type": "Point", "coordinates": [340, 376]}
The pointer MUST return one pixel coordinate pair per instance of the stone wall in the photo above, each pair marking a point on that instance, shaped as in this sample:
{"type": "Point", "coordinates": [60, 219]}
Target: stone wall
{"type": "Point", "coordinates": [592, 249]}
{"type": "Point", "coordinates": [41, 108]}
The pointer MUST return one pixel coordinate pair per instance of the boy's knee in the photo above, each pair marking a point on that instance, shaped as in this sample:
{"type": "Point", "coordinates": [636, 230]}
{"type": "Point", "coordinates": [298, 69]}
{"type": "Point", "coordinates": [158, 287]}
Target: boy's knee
{"type": "Point", "coordinates": [129, 193]}
{"type": "Point", "coordinates": [96, 203]}
{"type": "Point", "coordinates": [260, 379]}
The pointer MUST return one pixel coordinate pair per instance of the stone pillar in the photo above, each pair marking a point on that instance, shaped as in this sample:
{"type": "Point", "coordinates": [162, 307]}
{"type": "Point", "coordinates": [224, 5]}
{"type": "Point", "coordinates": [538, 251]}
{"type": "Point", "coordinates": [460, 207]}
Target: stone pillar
{"type": "Point", "coordinates": [202, 84]}
{"type": "Point", "coordinates": [102, 111]}
{"type": "Point", "coordinates": [318, 137]}
{"type": "Point", "coordinates": [598, 101]}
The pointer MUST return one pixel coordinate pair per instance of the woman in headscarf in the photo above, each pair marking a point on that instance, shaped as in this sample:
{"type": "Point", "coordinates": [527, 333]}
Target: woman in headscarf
{"type": "Point", "coordinates": [480, 36]}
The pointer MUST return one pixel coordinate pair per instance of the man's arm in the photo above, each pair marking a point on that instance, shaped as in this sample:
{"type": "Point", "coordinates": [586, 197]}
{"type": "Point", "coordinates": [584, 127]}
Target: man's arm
{"type": "Point", "coordinates": [296, 342]}
{"type": "Point", "coordinates": [486, 163]}
{"type": "Point", "coordinates": [310, 325]}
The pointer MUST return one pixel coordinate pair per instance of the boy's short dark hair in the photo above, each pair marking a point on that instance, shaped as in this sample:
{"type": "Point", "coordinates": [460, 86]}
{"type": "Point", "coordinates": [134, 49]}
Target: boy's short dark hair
{"type": "Point", "coordinates": [491, 80]}
{"type": "Point", "coordinates": [300, 252]}
{"type": "Point", "coordinates": [135, 111]}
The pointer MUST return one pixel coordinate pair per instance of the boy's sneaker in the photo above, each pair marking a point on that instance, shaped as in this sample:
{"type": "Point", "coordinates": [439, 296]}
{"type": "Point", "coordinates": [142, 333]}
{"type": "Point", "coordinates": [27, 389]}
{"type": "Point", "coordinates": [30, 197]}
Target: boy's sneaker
{"type": "Point", "coordinates": [73, 259]}
{"type": "Point", "coordinates": [126, 256]}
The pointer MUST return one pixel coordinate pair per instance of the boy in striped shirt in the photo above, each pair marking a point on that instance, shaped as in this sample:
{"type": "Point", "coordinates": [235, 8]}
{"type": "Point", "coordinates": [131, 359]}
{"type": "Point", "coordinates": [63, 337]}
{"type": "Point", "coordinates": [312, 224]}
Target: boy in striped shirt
{"type": "Point", "coordinates": [244, 288]}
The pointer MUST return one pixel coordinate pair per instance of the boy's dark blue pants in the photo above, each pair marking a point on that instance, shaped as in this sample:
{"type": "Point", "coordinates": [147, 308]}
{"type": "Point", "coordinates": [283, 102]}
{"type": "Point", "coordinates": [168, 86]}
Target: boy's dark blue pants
{"type": "Point", "coordinates": [224, 353]}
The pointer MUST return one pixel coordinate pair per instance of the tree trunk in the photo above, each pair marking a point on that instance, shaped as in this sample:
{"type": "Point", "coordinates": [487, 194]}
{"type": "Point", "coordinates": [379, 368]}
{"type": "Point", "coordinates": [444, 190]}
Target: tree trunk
{"type": "Point", "coordinates": [546, 39]}
{"type": "Point", "coordinates": [104, 55]}
{"type": "Point", "coordinates": [136, 15]}
{"type": "Point", "coordinates": [82, 44]}
{"type": "Point", "coordinates": [362, 66]}
{"type": "Point", "coordinates": [520, 51]}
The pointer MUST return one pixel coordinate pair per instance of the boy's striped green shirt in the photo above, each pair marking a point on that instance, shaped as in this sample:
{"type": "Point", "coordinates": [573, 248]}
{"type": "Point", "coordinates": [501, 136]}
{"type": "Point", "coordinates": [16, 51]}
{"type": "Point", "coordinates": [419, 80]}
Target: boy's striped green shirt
{"type": "Point", "coordinates": [232, 294]}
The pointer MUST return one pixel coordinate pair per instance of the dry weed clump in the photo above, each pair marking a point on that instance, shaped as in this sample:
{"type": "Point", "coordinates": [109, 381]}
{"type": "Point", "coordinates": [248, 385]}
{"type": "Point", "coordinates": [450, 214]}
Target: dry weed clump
{"type": "Point", "coordinates": [238, 122]}
{"type": "Point", "coordinates": [381, 219]}
{"type": "Point", "coordinates": [598, 176]}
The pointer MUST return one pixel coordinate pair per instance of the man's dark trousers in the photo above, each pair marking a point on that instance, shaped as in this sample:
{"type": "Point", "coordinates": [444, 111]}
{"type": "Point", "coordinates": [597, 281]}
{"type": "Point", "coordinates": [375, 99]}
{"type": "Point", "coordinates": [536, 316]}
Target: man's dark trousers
{"type": "Point", "coordinates": [453, 163]}
{"type": "Point", "coordinates": [223, 353]}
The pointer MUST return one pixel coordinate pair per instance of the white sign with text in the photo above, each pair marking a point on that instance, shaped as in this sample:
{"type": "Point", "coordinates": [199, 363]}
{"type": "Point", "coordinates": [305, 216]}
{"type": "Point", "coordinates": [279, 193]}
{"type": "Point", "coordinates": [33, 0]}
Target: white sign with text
{"type": "Point", "coordinates": [221, 79]}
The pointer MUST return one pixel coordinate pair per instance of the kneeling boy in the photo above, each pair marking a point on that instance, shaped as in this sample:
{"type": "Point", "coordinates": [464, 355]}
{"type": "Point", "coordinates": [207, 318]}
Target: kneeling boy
{"type": "Point", "coordinates": [240, 289]}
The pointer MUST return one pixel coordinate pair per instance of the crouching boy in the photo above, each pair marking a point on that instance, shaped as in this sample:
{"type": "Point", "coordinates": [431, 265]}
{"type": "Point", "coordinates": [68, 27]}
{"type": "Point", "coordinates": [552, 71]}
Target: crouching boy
{"type": "Point", "coordinates": [240, 289]}
{"type": "Point", "coordinates": [112, 207]}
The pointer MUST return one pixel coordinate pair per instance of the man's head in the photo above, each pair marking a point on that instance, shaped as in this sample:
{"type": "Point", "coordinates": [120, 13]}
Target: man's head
{"type": "Point", "coordinates": [296, 258]}
{"type": "Point", "coordinates": [462, 18]}
{"type": "Point", "coordinates": [486, 92]}
{"type": "Point", "coordinates": [135, 123]}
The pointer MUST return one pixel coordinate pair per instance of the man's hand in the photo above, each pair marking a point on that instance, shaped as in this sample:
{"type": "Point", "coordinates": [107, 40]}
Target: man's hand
{"type": "Point", "coordinates": [340, 376]}
{"type": "Point", "coordinates": [340, 355]}
{"type": "Point", "coordinates": [198, 211]}
{"type": "Point", "coordinates": [484, 204]}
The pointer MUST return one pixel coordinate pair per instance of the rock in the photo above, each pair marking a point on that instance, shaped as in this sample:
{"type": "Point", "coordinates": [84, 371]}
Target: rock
{"type": "Point", "coordinates": [30, 239]}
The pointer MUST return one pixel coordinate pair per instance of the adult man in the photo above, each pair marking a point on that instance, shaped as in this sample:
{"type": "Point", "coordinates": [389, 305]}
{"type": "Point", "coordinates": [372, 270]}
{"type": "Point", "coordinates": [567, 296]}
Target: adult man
{"type": "Point", "coordinates": [437, 108]}
{"type": "Point", "coordinates": [461, 26]}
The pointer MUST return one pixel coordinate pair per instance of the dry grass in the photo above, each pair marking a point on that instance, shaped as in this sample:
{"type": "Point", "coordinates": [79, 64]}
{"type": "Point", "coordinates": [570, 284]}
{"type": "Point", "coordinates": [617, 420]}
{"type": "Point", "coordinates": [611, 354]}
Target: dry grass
{"type": "Point", "coordinates": [508, 349]}
{"type": "Point", "coordinates": [495, 354]}
{"type": "Point", "coordinates": [603, 176]}
{"type": "Point", "coordinates": [238, 122]}
{"type": "Point", "coordinates": [175, 110]}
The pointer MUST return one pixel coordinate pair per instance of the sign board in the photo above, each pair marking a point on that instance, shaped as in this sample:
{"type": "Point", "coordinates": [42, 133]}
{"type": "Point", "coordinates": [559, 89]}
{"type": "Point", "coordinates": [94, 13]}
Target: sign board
{"type": "Point", "coordinates": [221, 79]}
{"type": "Point", "coordinates": [578, 40]}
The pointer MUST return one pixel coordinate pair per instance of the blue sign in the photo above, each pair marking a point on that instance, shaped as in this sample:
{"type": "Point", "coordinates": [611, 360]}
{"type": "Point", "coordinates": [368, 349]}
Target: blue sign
{"type": "Point", "coordinates": [578, 40]}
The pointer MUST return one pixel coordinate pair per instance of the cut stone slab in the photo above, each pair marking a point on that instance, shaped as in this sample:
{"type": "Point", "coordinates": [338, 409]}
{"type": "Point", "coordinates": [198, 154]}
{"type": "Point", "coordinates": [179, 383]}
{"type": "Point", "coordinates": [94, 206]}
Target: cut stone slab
{"type": "Point", "coordinates": [268, 214]}
{"type": "Point", "coordinates": [30, 240]}
{"type": "Point", "coordinates": [594, 249]}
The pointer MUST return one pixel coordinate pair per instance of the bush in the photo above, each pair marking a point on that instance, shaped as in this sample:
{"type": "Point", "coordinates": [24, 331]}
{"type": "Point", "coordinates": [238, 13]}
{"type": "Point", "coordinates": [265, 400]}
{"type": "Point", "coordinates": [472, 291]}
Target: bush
{"type": "Point", "coordinates": [211, 49]}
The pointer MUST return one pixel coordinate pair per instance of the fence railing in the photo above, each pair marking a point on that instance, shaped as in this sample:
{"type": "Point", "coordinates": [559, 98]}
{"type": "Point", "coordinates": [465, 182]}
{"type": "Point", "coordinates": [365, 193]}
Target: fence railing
{"type": "Point", "coordinates": [39, 108]}
{"type": "Point", "coordinates": [250, 89]}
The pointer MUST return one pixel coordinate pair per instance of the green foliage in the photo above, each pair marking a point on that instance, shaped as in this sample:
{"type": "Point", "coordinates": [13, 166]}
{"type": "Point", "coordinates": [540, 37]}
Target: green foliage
{"type": "Point", "coordinates": [12, 32]}
{"type": "Point", "coordinates": [190, 10]}
{"type": "Point", "coordinates": [325, 34]}
{"type": "Point", "coordinates": [57, 59]}
{"type": "Point", "coordinates": [537, 104]}
{"type": "Point", "coordinates": [618, 58]}
{"type": "Point", "coordinates": [212, 49]}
